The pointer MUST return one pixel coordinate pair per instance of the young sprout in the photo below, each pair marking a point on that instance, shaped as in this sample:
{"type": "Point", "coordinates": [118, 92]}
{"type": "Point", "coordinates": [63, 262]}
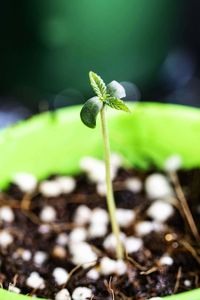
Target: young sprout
{"type": "Point", "coordinates": [106, 96]}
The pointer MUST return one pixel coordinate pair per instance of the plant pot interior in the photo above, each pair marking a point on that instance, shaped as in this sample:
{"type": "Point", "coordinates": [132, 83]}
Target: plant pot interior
{"type": "Point", "coordinates": [147, 137]}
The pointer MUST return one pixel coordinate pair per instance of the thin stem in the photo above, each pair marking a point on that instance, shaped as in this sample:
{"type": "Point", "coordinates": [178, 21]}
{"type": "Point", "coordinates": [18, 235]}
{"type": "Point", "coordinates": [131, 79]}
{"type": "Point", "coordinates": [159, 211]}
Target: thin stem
{"type": "Point", "coordinates": [110, 196]}
{"type": "Point", "coordinates": [184, 205]}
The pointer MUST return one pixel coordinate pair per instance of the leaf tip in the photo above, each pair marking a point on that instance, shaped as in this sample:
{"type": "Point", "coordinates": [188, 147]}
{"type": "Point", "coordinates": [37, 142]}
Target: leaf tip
{"type": "Point", "coordinates": [91, 74]}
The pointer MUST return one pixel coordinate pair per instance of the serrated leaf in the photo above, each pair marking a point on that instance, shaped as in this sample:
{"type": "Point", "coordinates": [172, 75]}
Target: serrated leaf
{"type": "Point", "coordinates": [97, 84]}
{"type": "Point", "coordinates": [90, 110]}
{"type": "Point", "coordinates": [117, 104]}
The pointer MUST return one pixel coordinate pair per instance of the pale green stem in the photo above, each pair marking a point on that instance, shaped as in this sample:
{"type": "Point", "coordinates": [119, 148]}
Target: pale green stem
{"type": "Point", "coordinates": [110, 196]}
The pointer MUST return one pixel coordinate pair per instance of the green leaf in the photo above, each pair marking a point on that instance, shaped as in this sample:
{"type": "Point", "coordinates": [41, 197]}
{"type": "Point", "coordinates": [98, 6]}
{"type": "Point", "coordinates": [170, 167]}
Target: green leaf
{"type": "Point", "coordinates": [90, 110]}
{"type": "Point", "coordinates": [117, 104]}
{"type": "Point", "coordinates": [97, 84]}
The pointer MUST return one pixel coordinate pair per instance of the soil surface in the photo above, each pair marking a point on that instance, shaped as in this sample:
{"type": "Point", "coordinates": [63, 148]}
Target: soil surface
{"type": "Point", "coordinates": [146, 275]}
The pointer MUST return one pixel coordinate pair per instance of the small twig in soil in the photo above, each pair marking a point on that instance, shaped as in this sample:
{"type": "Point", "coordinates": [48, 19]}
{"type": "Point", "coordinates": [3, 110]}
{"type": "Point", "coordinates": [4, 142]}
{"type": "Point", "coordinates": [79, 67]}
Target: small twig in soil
{"type": "Point", "coordinates": [6, 200]}
{"type": "Point", "coordinates": [33, 217]}
{"type": "Point", "coordinates": [55, 227]}
{"type": "Point", "coordinates": [15, 279]}
{"type": "Point", "coordinates": [151, 270]}
{"type": "Point", "coordinates": [176, 203]}
{"type": "Point", "coordinates": [26, 201]}
{"type": "Point", "coordinates": [178, 277]}
{"type": "Point", "coordinates": [123, 297]}
{"type": "Point", "coordinates": [196, 280]}
{"type": "Point", "coordinates": [98, 251]}
{"type": "Point", "coordinates": [135, 263]}
{"type": "Point", "coordinates": [32, 292]}
{"type": "Point", "coordinates": [71, 273]}
{"type": "Point", "coordinates": [108, 285]}
{"type": "Point", "coordinates": [62, 226]}
{"type": "Point", "coordinates": [81, 198]}
{"type": "Point", "coordinates": [190, 249]}
{"type": "Point", "coordinates": [184, 205]}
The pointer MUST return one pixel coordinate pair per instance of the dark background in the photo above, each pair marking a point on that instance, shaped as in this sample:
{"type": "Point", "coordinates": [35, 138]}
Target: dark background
{"type": "Point", "coordinates": [48, 47]}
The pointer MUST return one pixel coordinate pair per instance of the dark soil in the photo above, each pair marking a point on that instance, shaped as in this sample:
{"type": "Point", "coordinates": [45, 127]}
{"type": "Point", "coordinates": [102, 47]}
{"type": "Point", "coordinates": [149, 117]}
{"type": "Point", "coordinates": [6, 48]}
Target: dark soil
{"type": "Point", "coordinates": [145, 277]}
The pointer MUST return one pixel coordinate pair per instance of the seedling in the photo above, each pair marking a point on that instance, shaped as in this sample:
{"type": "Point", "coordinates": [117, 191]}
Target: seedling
{"type": "Point", "coordinates": [106, 96]}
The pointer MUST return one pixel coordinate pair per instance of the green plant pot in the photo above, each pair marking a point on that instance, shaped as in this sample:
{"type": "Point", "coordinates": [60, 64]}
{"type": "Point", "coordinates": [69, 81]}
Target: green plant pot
{"type": "Point", "coordinates": [51, 143]}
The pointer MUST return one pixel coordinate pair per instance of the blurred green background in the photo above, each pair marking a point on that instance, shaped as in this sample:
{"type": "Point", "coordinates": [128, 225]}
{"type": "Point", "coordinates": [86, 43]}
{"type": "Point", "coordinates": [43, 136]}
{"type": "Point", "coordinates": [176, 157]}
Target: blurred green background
{"type": "Point", "coordinates": [47, 48]}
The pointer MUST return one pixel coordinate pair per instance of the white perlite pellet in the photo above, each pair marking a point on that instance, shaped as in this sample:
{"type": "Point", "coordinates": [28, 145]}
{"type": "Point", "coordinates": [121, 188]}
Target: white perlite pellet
{"type": "Point", "coordinates": [95, 169]}
{"type": "Point", "coordinates": [120, 267]}
{"type": "Point", "coordinates": [35, 281]}
{"type": "Point", "coordinates": [83, 254]}
{"type": "Point", "coordinates": [110, 241]}
{"type": "Point", "coordinates": [93, 274]}
{"type": "Point", "coordinates": [50, 188]}
{"type": "Point", "coordinates": [96, 230]}
{"type": "Point", "coordinates": [166, 260]}
{"type": "Point", "coordinates": [133, 184]}
{"type": "Point", "coordinates": [109, 266]}
{"type": "Point", "coordinates": [63, 295]}
{"type": "Point", "coordinates": [99, 216]}
{"type": "Point", "coordinates": [133, 244]}
{"type": "Point", "coordinates": [82, 293]}
{"type": "Point", "coordinates": [26, 255]}
{"type": "Point", "coordinates": [98, 174]}
{"type": "Point", "coordinates": [22, 253]}
{"type": "Point", "coordinates": [116, 160]}
{"type": "Point", "coordinates": [26, 182]}
{"type": "Point", "coordinates": [44, 229]}
{"type": "Point", "coordinates": [40, 257]}
{"type": "Point", "coordinates": [62, 239]}
{"type": "Point", "coordinates": [88, 163]}
{"type": "Point", "coordinates": [60, 275]}
{"type": "Point", "coordinates": [78, 235]}
{"type": "Point", "coordinates": [158, 186]}
{"type": "Point", "coordinates": [67, 184]}
{"type": "Point", "coordinates": [6, 214]}
{"type": "Point", "coordinates": [5, 239]}
{"type": "Point", "coordinates": [101, 189]}
{"type": "Point", "coordinates": [173, 163]}
{"type": "Point", "coordinates": [145, 227]}
{"type": "Point", "coordinates": [125, 216]}
{"type": "Point", "coordinates": [187, 283]}
{"type": "Point", "coordinates": [48, 214]}
{"type": "Point", "coordinates": [160, 211]}
{"type": "Point", "coordinates": [116, 89]}
{"type": "Point", "coordinates": [82, 215]}
{"type": "Point", "coordinates": [14, 289]}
